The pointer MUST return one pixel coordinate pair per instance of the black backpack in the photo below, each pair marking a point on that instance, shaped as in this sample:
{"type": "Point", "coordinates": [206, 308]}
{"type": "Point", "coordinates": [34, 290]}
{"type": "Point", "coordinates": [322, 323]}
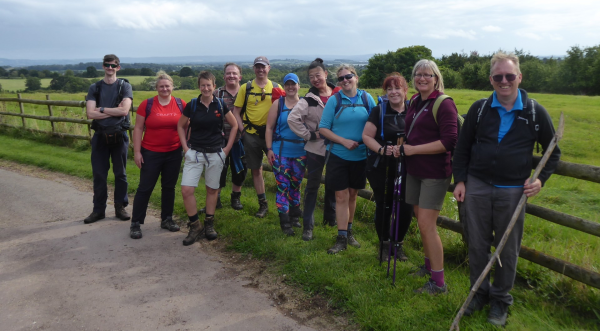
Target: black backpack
{"type": "Point", "coordinates": [126, 124]}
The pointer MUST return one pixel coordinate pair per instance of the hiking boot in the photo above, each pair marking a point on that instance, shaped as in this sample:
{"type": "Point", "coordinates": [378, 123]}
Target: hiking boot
{"type": "Point", "coordinates": [209, 228]}
{"type": "Point", "coordinates": [295, 213]}
{"type": "Point", "coordinates": [94, 216]}
{"type": "Point", "coordinates": [219, 206]}
{"type": "Point", "coordinates": [341, 243]}
{"type": "Point", "coordinates": [352, 241]}
{"type": "Point", "coordinates": [498, 313]}
{"type": "Point", "coordinates": [196, 231]}
{"type": "Point", "coordinates": [420, 271]}
{"type": "Point", "coordinates": [169, 224]}
{"type": "Point", "coordinates": [121, 213]}
{"type": "Point", "coordinates": [431, 287]}
{"type": "Point", "coordinates": [307, 235]}
{"type": "Point", "coordinates": [479, 301]}
{"type": "Point", "coordinates": [383, 254]}
{"type": "Point", "coordinates": [400, 256]}
{"type": "Point", "coordinates": [263, 208]}
{"type": "Point", "coordinates": [236, 202]}
{"type": "Point", "coordinates": [135, 232]}
{"type": "Point", "coordinates": [286, 226]}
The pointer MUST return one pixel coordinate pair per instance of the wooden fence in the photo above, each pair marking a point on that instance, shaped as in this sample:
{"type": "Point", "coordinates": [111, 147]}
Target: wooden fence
{"type": "Point", "coordinates": [574, 170]}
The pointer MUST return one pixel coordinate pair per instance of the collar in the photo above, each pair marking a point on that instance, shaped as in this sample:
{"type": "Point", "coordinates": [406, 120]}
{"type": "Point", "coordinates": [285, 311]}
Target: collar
{"type": "Point", "coordinates": [517, 106]}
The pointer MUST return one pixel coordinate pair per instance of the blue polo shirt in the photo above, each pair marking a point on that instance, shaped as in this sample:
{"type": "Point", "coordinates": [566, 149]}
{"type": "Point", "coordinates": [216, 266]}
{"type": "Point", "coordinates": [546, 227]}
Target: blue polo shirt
{"type": "Point", "coordinates": [506, 119]}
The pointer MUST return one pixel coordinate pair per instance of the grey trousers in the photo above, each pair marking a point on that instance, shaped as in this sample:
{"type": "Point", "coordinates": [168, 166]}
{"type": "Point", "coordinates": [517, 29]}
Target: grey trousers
{"type": "Point", "coordinates": [488, 210]}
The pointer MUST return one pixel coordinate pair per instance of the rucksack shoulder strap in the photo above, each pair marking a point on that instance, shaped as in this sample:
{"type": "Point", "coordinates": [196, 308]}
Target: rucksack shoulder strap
{"type": "Point", "coordinates": [437, 103]}
{"type": "Point", "coordinates": [179, 104]}
{"type": "Point", "coordinates": [149, 103]}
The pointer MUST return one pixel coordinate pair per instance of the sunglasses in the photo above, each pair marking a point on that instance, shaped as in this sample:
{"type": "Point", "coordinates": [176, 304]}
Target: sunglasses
{"type": "Point", "coordinates": [111, 65]}
{"type": "Point", "coordinates": [262, 97]}
{"type": "Point", "coordinates": [509, 77]}
{"type": "Point", "coordinates": [347, 77]}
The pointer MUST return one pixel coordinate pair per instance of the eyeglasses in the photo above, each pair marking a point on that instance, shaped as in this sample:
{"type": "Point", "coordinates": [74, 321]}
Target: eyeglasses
{"type": "Point", "coordinates": [347, 77]}
{"type": "Point", "coordinates": [424, 76]}
{"type": "Point", "coordinates": [111, 65]}
{"type": "Point", "coordinates": [509, 77]}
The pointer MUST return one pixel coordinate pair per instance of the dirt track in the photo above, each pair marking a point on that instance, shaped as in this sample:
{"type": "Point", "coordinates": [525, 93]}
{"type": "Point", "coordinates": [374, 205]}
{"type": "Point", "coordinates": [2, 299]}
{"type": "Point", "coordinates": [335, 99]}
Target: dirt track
{"type": "Point", "coordinates": [57, 273]}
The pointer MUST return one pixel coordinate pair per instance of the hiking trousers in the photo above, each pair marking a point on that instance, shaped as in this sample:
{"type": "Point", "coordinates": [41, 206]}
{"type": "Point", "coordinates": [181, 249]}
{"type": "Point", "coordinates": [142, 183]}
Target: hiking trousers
{"type": "Point", "coordinates": [102, 155]}
{"type": "Point", "coordinates": [314, 166]}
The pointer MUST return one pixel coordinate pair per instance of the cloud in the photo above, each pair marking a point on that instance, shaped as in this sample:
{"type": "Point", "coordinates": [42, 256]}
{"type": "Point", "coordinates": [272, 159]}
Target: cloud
{"type": "Point", "coordinates": [491, 28]}
{"type": "Point", "coordinates": [445, 34]}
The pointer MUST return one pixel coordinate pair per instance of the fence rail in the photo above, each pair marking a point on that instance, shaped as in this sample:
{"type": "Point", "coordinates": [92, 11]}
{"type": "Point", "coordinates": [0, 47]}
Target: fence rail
{"type": "Point", "coordinates": [574, 170]}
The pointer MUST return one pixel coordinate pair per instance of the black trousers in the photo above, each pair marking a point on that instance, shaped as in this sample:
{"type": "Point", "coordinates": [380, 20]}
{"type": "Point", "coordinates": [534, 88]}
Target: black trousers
{"type": "Point", "coordinates": [165, 164]}
{"type": "Point", "coordinates": [377, 181]}
{"type": "Point", "coordinates": [314, 170]}
{"type": "Point", "coordinates": [102, 154]}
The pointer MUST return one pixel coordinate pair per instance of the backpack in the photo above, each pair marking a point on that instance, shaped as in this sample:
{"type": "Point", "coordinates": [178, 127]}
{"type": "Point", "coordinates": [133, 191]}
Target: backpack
{"type": "Point", "coordinates": [259, 129]}
{"type": "Point", "coordinates": [126, 124]}
{"type": "Point", "coordinates": [150, 102]}
{"type": "Point", "coordinates": [339, 108]}
{"type": "Point", "coordinates": [382, 102]}
{"type": "Point", "coordinates": [193, 106]}
{"type": "Point", "coordinates": [278, 137]}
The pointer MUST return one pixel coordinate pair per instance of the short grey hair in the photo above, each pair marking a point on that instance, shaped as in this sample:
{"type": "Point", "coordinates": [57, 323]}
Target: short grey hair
{"type": "Point", "coordinates": [431, 66]}
{"type": "Point", "coordinates": [501, 56]}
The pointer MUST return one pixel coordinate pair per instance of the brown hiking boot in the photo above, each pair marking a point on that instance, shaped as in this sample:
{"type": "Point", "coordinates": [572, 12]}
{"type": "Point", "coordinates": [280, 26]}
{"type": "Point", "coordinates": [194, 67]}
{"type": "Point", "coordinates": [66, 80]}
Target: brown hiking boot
{"type": "Point", "coordinates": [236, 202]}
{"type": "Point", "coordinates": [169, 224]}
{"type": "Point", "coordinates": [263, 208]}
{"type": "Point", "coordinates": [121, 213]}
{"type": "Point", "coordinates": [352, 241]}
{"type": "Point", "coordinates": [341, 243]}
{"type": "Point", "coordinates": [195, 233]}
{"type": "Point", "coordinates": [209, 228]}
{"type": "Point", "coordinates": [286, 226]}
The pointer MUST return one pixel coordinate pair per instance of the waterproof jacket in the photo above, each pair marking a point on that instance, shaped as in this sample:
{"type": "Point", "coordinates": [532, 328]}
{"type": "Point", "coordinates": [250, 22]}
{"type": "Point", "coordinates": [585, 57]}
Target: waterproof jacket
{"type": "Point", "coordinates": [508, 162]}
{"type": "Point", "coordinates": [304, 120]}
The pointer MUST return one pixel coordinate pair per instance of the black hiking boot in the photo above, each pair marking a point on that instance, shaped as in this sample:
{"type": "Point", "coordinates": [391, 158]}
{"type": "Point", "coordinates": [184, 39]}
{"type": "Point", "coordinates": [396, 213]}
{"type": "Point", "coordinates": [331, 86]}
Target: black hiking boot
{"type": "Point", "coordinates": [263, 208]}
{"type": "Point", "coordinates": [196, 232]}
{"type": "Point", "coordinates": [341, 243]}
{"type": "Point", "coordinates": [295, 213]}
{"type": "Point", "coordinates": [420, 271]}
{"type": "Point", "coordinates": [352, 241]}
{"type": "Point", "coordinates": [286, 226]}
{"type": "Point", "coordinates": [479, 301]}
{"type": "Point", "coordinates": [121, 213]}
{"type": "Point", "coordinates": [135, 231]}
{"type": "Point", "coordinates": [169, 224]}
{"type": "Point", "coordinates": [236, 202]}
{"type": "Point", "coordinates": [94, 216]}
{"type": "Point", "coordinates": [400, 256]}
{"type": "Point", "coordinates": [383, 251]}
{"type": "Point", "coordinates": [307, 235]}
{"type": "Point", "coordinates": [209, 228]}
{"type": "Point", "coordinates": [498, 313]}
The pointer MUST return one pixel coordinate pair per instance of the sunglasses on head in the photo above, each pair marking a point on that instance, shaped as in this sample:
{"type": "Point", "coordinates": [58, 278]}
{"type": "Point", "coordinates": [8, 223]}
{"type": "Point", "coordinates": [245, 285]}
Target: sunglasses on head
{"type": "Point", "coordinates": [347, 77]}
{"type": "Point", "coordinates": [111, 65]}
{"type": "Point", "coordinates": [509, 77]}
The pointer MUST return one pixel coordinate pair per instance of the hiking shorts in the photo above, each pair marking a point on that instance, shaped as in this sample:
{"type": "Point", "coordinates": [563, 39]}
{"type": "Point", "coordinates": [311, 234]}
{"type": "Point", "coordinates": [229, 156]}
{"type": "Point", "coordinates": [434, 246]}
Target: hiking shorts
{"type": "Point", "coordinates": [341, 174]}
{"type": "Point", "coordinates": [427, 193]}
{"type": "Point", "coordinates": [194, 165]}
{"type": "Point", "coordinates": [255, 148]}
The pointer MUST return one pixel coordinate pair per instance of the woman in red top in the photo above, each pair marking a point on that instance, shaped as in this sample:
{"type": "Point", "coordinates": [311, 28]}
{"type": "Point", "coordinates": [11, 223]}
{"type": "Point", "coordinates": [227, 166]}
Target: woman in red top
{"type": "Point", "coordinates": [157, 153]}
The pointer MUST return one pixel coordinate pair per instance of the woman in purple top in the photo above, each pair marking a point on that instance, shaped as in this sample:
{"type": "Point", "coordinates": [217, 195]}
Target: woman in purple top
{"type": "Point", "coordinates": [429, 142]}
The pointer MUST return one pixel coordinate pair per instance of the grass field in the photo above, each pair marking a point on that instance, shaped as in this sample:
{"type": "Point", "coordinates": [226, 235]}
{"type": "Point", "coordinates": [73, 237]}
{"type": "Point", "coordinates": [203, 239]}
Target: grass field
{"type": "Point", "coordinates": [353, 280]}
{"type": "Point", "coordinates": [19, 83]}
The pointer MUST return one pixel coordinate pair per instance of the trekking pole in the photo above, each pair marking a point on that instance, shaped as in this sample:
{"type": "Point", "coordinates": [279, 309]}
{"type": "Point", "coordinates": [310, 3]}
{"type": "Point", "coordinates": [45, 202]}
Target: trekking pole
{"type": "Point", "coordinates": [383, 213]}
{"type": "Point", "coordinates": [396, 213]}
{"type": "Point", "coordinates": [511, 225]}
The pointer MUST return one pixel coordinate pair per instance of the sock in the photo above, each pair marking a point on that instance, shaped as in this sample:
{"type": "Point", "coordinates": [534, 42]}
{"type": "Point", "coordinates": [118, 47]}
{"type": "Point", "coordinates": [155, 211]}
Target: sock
{"type": "Point", "coordinates": [349, 226]}
{"type": "Point", "coordinates": [219, 195]}
{"type": "Point", "coordinates": [209, 216]}
{"type": "Point", "coordinates": [343, 233]}
{"type": "Point", "coordinates": [262, 196]}
{"type": "Point", "coordinates": [438, 277]}
{"type": "Point", "coordinates": [193, 218]}
{"type": "Point", "coordinates": [427, 263]}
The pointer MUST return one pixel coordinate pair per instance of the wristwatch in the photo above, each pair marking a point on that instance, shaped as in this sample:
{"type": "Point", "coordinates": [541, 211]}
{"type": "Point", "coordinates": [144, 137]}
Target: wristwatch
{"type": "Point", "coordinates": [102, 110]}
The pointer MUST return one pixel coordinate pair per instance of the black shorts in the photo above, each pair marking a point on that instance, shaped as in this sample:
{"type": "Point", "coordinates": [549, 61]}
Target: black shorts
{"type": "Point", "coordinates": [341, 174]}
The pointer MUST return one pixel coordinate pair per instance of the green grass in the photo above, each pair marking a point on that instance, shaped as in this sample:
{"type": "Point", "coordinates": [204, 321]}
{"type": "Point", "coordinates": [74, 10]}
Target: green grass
{"type": "Point", "coordinates": [353, 280]}
{"type": "Point", "coordinates": [18, 84]}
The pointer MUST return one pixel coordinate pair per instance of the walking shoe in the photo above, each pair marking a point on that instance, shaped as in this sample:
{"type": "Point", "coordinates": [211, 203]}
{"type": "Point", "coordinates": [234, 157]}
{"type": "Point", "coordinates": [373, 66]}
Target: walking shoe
{"type": "Point", "coordinates": [383, 252]}
{"type": "Point", "coordinates": [286, 226]}
{"type": "Point", "coordinates": [263, 208]}
{"type": "Point", "coordinates": [400, 256]}
{"type": "Point", "coordinates": [341, 243]}
{"type": "Point", "coordinates": [236, 202]}
{"type": "Point", "coordinates": [135, 232]}
{"type": "Point", "coordinates": [432, 288]}
{"type": "Point", "coordinates": [195, 233]}
{"type": "Point", "coordinates": [295, 213]}
{"type": "Point", "coordinates": [121, 213]}
{"type": "Point", "coordinates": [498, 313]}
{"type": "Point", "coordinates": [209, 228]}
{"type": "Point", "coordinates": [479, 301]}
{"type": "Point", "coordinates": [94, 216]}
{"type": "Point", "coordinates": [352, 241]}
{"type": "Point", "coordinates": [219, 206]}
{"type": "Point", "coordinates": [169, 224]}
{"type": "Point", "coordinates": [420, 271]}
{"type": "Point", "coordinates": [307, 235]}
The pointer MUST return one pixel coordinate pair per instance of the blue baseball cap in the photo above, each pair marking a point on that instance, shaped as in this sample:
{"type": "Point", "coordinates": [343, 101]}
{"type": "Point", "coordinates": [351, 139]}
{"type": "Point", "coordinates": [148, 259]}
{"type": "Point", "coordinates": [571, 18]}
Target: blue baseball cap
{"type": "Point", "coordinates": [291, 76]}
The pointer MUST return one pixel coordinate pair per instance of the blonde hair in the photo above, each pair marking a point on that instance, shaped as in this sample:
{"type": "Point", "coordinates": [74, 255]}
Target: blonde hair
{"type": "Point", "coordinates": [162, 75]}
{"type": "Point", "coordinates": [501, 56]}
{"type": "Point", "coordinates": [346, 67]}
{"type": "Point", "coordinates": [431, 66]}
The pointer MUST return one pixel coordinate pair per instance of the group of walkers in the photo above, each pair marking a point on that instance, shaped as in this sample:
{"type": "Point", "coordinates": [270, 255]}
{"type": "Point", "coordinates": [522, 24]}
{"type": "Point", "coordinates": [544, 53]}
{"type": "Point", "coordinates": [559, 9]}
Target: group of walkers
{"type": "Point", "coordinates": [408, 149]}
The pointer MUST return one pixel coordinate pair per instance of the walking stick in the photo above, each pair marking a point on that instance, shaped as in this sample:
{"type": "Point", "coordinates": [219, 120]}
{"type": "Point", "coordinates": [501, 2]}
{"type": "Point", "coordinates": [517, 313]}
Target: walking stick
{"type": "Point", "coordinates": [396, 212]}
{"type": "Point", "coordinates": [511, 225]}
{"type": "Point", "coordinates": [385, 193]}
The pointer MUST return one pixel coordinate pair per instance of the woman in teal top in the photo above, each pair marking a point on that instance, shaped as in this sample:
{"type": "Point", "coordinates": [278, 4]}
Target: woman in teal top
{"type": "Point", "coordinates": [342, 123]}
{"type": "Point", "coordinates": [287, 156]}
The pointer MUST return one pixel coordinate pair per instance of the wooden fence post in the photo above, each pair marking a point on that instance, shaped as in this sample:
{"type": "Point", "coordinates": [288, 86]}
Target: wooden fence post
{"type": "Point", "coordinates": [50, 112]}
{"type": "Point", "coordinates": [22, 110]}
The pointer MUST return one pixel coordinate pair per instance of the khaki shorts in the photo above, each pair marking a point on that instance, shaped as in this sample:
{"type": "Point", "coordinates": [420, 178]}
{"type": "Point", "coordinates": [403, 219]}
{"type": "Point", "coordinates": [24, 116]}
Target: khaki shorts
{"type": "Point", "coordinates": [254, 147]}
{"type": "Point", "coordinates": [194, 165]}
{"type": "Point", "coordinates": [427, 193]}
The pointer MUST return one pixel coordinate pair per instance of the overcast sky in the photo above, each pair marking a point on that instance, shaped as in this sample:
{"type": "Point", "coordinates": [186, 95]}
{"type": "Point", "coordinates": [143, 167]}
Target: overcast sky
{"type": "Point", "coordinates": [81, 29]}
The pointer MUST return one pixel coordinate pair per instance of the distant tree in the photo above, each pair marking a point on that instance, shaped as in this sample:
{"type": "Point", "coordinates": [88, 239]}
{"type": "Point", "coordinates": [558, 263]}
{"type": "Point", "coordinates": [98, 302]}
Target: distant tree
{"type": "Point", "coordinates": [129, 72]}
{"type": "Point", "coordinates": [34, 73]}
{"type": "Point", "coordinates": [147, 72]}
{"type": "Point", "coordinates": [454, 61]}
{"type": "Point", "coordinates": [33, 84]}
{"type": "Point", "coordinates": [3, 72]}
{"type": "Point", "coordinates": [535, 76]}
{"type": "Point", "coordinates": [188, 83]}
{"type": "Point", "coordinates": [186, 72]}
{"type": "Point", "coordinates": [452, 79]}
{"type": "Point", "coordinates": [91, 72]}
{"type": "Point", "coordinates": [69, 73]}
{"type": "Point", "coordinates": [475, 76]}
{"type": "Point", "coordinates": [0, 87]}
{"type": "Point", "coordinates": [23, 72]}
{"type": "Point", "coordinates": [401, 60]}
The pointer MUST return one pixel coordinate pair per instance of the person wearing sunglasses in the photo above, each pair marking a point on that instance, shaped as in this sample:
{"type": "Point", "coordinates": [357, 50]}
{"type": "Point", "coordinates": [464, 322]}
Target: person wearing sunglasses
{"type": "Point", "coordinates": [492, 166]}
{"type": "Point", "coordinates": [304, 121]}
{"type": "Point", "coordinates": [107, 104]}
{"type": "Point", "coordinates": [429, 142]}
{"type": "Point", "coordinates": [253, 102]}
{"type": "Point", "coordinates": [343, 125]}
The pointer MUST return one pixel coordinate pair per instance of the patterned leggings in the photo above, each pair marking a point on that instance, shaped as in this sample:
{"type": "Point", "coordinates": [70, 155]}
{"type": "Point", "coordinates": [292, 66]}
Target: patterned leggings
{"type": "Point", "coordinates": [289, 172]}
